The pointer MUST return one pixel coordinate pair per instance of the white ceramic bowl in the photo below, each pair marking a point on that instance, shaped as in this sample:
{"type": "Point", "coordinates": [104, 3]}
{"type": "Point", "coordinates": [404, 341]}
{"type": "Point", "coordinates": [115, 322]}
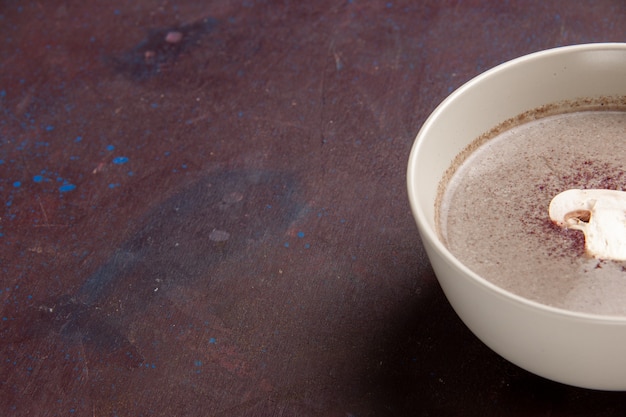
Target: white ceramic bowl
{"type": "Point", "coordinates": [574, 348]}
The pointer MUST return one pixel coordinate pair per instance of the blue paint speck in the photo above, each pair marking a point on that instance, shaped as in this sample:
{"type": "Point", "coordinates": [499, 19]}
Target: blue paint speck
{"type": "Point", "coordinates": [120, 160]}
{"type": "Point", "coordinates": [197, 363]}
{"type": "Point", "coordinates": [38, 178]}
{"type": "Point", "coordinates": [67, 187]}
{"type": "Point", "coordinates": [300, 235]}
{"type": "Point", "coordinates": [49, 128]}
{"type": "Point", "coordinates": [286, 244]}
{"type": "Point", "coordinates": [212, 341]}
{"type": "Point", "coordinates": [112, 185]}
{"type": "Point", "coordinates": [78, 139]}
{"type": "Point", "coordinates": [110, 147]}
{"type": "Point", "coordinates": [17, 184]}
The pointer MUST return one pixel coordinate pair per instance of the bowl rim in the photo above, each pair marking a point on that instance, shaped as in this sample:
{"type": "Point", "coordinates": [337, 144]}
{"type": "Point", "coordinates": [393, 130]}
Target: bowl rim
{"type": "Point", "coordinates": [427, 232]}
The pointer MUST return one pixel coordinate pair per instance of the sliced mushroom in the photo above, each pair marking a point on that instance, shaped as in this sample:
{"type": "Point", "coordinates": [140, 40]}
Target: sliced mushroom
{"type": "Point", "coordinates": [599, 214]}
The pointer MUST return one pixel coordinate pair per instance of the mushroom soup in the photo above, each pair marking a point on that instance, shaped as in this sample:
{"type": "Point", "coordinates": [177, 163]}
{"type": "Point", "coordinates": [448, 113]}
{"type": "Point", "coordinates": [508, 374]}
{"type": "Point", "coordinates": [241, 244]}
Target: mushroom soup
{"type": "Point", "coordinates": [492, 209]}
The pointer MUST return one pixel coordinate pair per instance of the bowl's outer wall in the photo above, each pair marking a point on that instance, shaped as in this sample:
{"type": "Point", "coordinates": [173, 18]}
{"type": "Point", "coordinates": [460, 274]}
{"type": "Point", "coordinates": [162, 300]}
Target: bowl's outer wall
{"type": "Point", "coordinates": [572, 351]}
{"type": "Point", "coordinates": [587, 351]}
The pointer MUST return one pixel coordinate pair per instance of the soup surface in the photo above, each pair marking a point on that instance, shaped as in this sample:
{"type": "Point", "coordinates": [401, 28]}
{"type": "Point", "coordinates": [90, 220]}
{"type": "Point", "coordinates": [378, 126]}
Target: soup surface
{"type": "Point", "coordinates": [493, 214]}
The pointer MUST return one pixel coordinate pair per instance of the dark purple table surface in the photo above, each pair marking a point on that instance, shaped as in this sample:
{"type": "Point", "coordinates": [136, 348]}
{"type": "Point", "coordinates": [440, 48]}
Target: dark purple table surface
{"type": "Point", "coordinates": [204, 209]}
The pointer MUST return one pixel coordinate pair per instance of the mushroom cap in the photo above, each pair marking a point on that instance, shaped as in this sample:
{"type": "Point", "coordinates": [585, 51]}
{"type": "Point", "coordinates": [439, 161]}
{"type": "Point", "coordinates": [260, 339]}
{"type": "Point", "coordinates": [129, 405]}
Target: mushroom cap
{"type": "Point", "coordinates": [599, 214]}
{"type": "Point", "coordinates": [577, 200]}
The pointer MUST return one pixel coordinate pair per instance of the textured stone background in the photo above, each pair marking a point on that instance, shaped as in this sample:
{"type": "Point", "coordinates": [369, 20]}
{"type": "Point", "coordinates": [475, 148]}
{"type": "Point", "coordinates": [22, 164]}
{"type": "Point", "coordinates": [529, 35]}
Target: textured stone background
{"type": "Point", "coordinates": [204, 207]}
